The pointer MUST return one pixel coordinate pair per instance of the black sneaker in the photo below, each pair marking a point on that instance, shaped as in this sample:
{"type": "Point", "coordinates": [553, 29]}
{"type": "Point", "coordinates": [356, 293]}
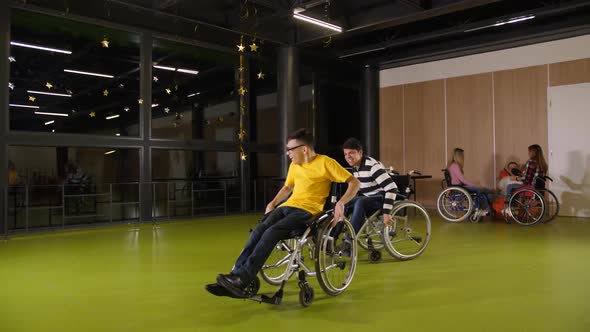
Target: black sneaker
{"type": "Point", "coordinates": [217, 290]}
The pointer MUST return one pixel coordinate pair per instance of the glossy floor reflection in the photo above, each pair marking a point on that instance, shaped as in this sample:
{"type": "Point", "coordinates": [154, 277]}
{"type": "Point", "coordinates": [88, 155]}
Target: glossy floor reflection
{"type": "Point", "coordinates": [472, 277]}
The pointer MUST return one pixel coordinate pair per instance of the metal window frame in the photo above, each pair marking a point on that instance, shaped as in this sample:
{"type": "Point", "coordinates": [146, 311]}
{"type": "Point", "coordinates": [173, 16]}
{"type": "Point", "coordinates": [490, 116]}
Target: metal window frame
{"type": "Point", "coordinates": [144, 142]}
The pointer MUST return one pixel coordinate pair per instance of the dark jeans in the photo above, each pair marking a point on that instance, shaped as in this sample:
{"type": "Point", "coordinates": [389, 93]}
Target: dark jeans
{"type": "Point", "coordinates": [277, 226]}
{"type": "Point", "coordinates": [481, 203]}
{"type": "Point", "coordinates": [362, 207]}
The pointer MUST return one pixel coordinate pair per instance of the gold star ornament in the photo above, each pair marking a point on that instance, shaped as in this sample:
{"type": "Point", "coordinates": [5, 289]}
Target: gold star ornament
{"type": "Point", "coordinates": [105, 93]}
{"type": "Point", "coordinates": [242, 91]}
{"type": "Point", "coordinates": [49, 85]}
{"type": "Point", "coordinates": [240, 47]}
{"type": "Point", "coordinates": [241, 135]}
{"type": "Point", "coordinates": [243, 156]}
{"type": "Point", "coordinates": [260, 75]}
{"type": "Point", "coordinates": [168, 91]}
{"type": "Point", "coordinates": [253, 47]}
{"type": "Point", "coordinates": [92, 114]}
{"type": "Point", "coordinates": [105, 42]}
{"type": "Point", "coordinates": [31, 98]}
{"type": "Point", "coordinates": [140, 101]}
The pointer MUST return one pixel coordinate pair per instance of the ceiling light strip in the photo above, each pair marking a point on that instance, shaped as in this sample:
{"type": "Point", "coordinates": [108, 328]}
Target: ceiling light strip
{"type": "Point", "coordinates": [23, 106]}
{"type": "Point", "coordinates": [87, 73]}
{"type": "Point", "coordinates": [49, 93]}
{"type": "Point", "coordinates": [37, 47]}
{"type": "Point", "coordinates": [52, 114]}
{"type": "Point", "coordinates": [317, 22]}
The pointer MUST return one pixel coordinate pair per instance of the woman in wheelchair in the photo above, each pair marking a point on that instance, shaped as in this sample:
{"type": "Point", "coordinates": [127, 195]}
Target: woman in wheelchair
{"type": "Point", "coordinates": [308, 181]}
{"type": "Point", "coordinates": [377, 191]}
{"type": "Point", "coordinates": [535, 168]}
{"type": "Point", "coordinates": [455, 170]}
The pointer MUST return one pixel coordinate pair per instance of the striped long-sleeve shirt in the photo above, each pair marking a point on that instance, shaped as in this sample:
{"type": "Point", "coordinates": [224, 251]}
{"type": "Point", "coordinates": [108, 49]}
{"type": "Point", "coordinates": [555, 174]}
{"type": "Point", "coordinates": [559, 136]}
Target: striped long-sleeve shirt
{"type": "Point", "coordinates": [375, 181]}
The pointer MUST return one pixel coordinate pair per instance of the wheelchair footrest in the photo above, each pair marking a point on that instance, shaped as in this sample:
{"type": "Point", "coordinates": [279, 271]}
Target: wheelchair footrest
{"type": "Point", "coordinates": [275, 299]}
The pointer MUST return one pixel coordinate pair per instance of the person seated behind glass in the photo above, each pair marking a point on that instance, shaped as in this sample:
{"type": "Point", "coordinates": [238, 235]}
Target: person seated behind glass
{"type": "Point", "coordinates": [455, 170]}
{"type": "Point", "coordinates": [309, 180]}
{"type": "Point", "coordinates": [76, 179]}
{"type": "Point", "coordinates": [377, 189]}
{"type": "Point", "coordinates": [506, 176]}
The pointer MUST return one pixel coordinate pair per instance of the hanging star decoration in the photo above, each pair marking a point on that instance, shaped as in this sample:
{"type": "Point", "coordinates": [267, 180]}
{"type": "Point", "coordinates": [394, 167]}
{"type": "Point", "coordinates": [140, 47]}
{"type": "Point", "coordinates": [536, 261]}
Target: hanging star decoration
{"type": "Point", "coordinates": [155, 79]}
{"type": "Point", "coordinates": [126, 109]}
{"type": "Point", "coordinates": [240, 47]}
{"type": "Point", "coordinates": [49, 85]}
{"type": "Point", "coordinates": [105, 42]}
{"type": "Point", "coordinates": [253, 47]}
{"type": "Point", "coordinates": [260, 75]}
{"type": "Point", "coordinates": [121, 85]}
{"type": "Point", "coordinates": [69, 92]}
{"type": "Point", "coordinates": [140, 101]}
{"type": "Point", "coordinates": [105, 93]}
{"type": "Point", "coordinates": [166, 110]}
{"type": "Point", "coordinates": [242, 104]}
{"type": "Point", "coordinates": [31, 98]}
{"type": "Point", "coordinates": [92, 114]}
{"type": "Point", "coordinates": [73, 111]}
{"type": "Point", "coordinates": [11, 59]}
{"type": "Point", "coordinates": [168, 91]}
{"type": "Point", "coordinates": [11, 85]}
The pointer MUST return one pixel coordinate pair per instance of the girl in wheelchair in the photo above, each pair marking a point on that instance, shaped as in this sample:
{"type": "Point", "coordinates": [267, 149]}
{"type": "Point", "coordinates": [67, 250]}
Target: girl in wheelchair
{"type": "Point", "coordinates": [455, 169]}
{"type": "Point", "coordinates": [535, 167]}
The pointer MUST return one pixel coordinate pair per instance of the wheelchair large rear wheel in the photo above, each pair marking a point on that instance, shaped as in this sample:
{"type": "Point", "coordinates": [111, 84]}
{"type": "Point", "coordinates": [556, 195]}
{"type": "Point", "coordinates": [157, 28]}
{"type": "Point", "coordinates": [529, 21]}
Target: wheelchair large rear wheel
{"type": "Point", "coordinates": [551, 205]}
{"type": "Point", "coordinates": [336, 257]}
{"type": "Point", "coordinates": [372, 229]}
{"type": "Point", "coordinates": [454, 204]}
{"type": "Point", "coordinates": [409, 234]}
{"type": "Point", "coordinates": [276, 265]}
{"type": "Point", "coordinates": [526, 207]}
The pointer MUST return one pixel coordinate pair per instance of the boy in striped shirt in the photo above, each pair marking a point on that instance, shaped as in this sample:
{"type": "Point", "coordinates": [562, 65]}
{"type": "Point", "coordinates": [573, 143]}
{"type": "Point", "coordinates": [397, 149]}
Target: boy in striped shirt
{"type": "Point", "coordinates": [377, 189]}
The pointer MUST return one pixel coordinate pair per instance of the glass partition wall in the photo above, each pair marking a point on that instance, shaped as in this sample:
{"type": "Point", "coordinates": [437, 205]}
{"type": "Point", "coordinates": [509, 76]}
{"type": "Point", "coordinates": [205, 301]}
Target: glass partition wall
{"type": "Point", "coordinates": [77, 140]}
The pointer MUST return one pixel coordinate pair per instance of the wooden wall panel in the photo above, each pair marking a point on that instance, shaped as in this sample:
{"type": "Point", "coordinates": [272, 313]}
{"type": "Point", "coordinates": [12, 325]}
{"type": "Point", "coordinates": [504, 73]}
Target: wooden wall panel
{"type": "Point", "coordinates": [424, 128]}
{"type": "Point", "coordinates": [391, 126]}
{"type": "Point", "coordinates": [470, 125]}
{"type": "Point", "coordinates": [520, 98]}
{"type": "Point", "coordinates": [570, 72]}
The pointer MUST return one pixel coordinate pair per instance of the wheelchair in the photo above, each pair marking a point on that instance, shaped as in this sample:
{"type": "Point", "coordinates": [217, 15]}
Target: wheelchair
{"type": "Point", "coordinates": [410, 232]}
{"type": "Point", "coordinates": [530, 204]}
{"type": "Point", "coordinates": [455, 203]}
{"type": "Point", "coordinates": [331, 250]}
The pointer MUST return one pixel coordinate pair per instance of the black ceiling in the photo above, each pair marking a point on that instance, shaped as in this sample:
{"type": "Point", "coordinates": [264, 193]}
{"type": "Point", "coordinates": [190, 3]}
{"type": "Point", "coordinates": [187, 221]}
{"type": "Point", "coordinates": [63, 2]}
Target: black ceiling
{"type": "Point", "coordinates": [386, 33]}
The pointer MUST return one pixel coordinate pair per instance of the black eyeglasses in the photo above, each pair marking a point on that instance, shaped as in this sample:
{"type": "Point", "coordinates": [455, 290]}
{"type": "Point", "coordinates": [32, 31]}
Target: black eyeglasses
{"type": "Point", "coordinates": [293, 148]}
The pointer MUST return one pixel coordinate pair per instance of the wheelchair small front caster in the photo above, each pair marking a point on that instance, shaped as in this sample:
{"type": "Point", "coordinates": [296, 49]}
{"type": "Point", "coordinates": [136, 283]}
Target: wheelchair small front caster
{"type": "Point", "coordinates": [305, 294]}
{"type": "Point", "coordinates": [375, 256]}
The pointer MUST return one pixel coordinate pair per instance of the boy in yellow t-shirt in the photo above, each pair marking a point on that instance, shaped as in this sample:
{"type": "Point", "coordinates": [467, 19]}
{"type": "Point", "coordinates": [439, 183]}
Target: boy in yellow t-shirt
{"type": "Point", "coordinates": [308, 181]}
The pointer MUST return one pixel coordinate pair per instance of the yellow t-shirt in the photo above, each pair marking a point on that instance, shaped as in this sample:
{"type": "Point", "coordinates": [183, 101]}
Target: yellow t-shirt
{"type": "Point", "coordinates": [311, 182]}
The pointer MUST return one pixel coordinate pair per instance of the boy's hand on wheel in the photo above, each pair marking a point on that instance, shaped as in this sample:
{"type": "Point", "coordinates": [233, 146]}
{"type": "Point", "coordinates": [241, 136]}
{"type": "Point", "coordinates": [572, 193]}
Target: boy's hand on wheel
{"type": "Point", "coordinates": [387, 220]}
{"type": "Point", "coordinates": [338, 213]}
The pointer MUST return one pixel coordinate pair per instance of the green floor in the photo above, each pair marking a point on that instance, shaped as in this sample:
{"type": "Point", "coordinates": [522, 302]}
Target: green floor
{"type": "Point", "coordinates": [472, 277]}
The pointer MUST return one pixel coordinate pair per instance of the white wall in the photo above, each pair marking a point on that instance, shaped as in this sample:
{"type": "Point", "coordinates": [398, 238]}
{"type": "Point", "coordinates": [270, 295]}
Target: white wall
{"type": "Point", "coordinates": [526, 56]}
